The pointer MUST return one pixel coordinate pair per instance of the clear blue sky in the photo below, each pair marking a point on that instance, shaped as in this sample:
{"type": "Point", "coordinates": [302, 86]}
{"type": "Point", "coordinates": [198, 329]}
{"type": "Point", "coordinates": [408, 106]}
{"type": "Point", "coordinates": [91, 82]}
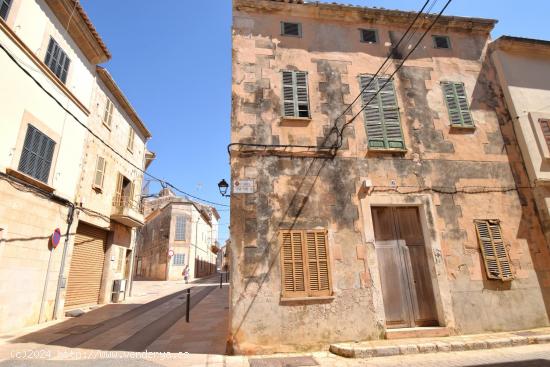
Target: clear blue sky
{"type": "Point", "coordinates": [172, 58]}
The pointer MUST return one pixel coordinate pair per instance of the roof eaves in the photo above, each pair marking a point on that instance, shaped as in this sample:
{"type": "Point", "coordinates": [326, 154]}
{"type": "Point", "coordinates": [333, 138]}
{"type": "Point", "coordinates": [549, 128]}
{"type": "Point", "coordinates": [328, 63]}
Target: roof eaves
{"type": "Point", "coordinates": [81, 29]}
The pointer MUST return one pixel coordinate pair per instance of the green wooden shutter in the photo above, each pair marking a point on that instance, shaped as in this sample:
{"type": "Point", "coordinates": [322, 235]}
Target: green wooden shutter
{"type": "Point", "coordinates": [495, 256]}
{"type": "Point", "coordinates": [382, 121]}
{"type": "Point", "coordinates": [36, 155]}
{"type": "Point", "coordinates": [457, 104]}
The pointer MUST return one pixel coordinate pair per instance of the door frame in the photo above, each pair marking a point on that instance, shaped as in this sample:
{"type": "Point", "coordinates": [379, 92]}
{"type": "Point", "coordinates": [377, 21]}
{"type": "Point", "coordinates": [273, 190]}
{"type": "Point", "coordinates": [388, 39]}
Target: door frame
{"type": "Point", "coordinates": [437, 268]}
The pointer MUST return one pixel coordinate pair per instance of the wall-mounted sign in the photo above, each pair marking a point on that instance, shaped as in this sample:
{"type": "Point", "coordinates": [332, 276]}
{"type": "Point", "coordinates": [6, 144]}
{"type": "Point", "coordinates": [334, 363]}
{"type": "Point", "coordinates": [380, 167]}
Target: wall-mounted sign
{"type": "Point", "coordinates": [246, 186]}
{"type": "Point", "coordinates": [56, 237]}
{"type": "Point", "coordinates": [170, 253]}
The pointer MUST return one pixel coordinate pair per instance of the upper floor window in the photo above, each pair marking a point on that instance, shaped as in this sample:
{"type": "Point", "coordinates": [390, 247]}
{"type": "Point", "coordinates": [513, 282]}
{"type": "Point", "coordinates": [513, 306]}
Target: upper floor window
{"type": "Point", "coordinates": [291, 29]}
{"type": "Point", "coordinates": [442, 42]}
{"type": "Point", "coordinates": [108, 113]}
{"type": "Point", "coordinates": [131, 139]}
{"type": "Point", "coordinates": [180, 228]}
{"type": "Point", "coordinates": [457, 104]}
{"type": "Point", "coordinates": [369, 35]}
{"type": "Point", "coordinates": [295, 94]}
{"type": "Point", "coordinates": [545, 127]}
{"type": "Point", "coordinates": [4, 8]}
{"type": "Point", "coordinates": [37, 154]}
{"type": "Point", "coordinates": [99, 178]}
{"type": "Point", "coordinates": [57, 60]}
{"type": "Point", "coordinates": [382, 120]}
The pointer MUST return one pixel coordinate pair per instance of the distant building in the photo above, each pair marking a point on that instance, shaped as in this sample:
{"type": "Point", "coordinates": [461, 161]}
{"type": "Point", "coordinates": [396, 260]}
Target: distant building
{"type": "Point", "coordinates": [177, 233]}
{"type": "Point", "coordinates": [62, 120]}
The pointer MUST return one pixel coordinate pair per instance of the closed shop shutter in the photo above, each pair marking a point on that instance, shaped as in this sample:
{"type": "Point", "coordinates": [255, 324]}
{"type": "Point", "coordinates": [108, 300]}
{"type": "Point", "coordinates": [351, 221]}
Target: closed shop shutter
{"type": "Point", "coordinates": [86, 268]}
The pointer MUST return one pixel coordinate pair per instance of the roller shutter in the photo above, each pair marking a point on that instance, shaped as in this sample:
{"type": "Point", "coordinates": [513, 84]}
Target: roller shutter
{"type": "Point", "coordinates": [86, 268]}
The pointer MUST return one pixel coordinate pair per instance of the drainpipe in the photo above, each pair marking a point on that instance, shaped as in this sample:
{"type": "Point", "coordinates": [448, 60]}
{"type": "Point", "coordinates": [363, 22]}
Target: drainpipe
{"type": "Point", "coordinates": [61, 280]}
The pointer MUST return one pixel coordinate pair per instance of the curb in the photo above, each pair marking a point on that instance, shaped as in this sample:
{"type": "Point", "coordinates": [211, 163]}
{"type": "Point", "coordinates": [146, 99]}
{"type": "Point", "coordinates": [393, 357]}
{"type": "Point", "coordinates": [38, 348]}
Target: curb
{"type": "Point", "coordinates": [407, 347]}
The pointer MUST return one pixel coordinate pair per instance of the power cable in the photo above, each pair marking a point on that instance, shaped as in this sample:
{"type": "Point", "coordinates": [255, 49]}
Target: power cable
{"type": "Point", "coordinates": [161, 181]}
{"type": "Point", "coordinates": [334, 128]}
{"type": "Point", "coordinates": [338, 145]}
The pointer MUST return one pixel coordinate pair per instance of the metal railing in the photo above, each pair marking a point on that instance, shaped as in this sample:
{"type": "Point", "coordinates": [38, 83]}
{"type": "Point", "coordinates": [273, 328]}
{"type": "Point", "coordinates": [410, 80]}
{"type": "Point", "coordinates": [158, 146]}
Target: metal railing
{"type": "Point", "coordinates": [121, 202]}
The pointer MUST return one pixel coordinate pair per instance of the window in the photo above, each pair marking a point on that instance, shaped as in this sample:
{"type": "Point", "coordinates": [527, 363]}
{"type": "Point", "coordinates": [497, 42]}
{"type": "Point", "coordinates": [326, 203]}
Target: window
{"type": "Point", "coordinates": [545, 127]}
{"type": "Point", "coordinates": [295, 94]}
{"type": "Point", "coordinates": [369, 35]}
{"type": "Point", "coordinates": [180, 228]}
{"type": "Point", "coordinates": [99, 172]}
{"type": "Point", "coordinates": [442, 42]}
{"type": "Point", "coordinates": [305, 266]}
{"type": "Point", "coordinates": [178, 260]}
{"type": "Point", "coordinates": [108, 113]}
{"type": "Point", "coordinates": [382, 121]}
{"type": "Point", "coordinates": [495, 256]}
{"type": "Point", "coordinates": [57, 60]}
{"type": "Point", "coordinates": [131, 139]}
{"type": "Point", "coordinates": [457, 104]}
{"type": "Point", "coordinates": [37, 153]}
{"type": "Point", "coordinates": [4, 8]}
{"type": "Point", "coordinates": [291, 29]}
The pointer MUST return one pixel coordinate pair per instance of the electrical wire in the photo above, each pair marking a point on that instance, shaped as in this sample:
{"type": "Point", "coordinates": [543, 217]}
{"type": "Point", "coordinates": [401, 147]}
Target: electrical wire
{"type": "Point", "coordinates": [162, 181]}
{"type": "Point", "coordinates": [341, 131]}
{"type": "Point", "coordinates": [334, 127]}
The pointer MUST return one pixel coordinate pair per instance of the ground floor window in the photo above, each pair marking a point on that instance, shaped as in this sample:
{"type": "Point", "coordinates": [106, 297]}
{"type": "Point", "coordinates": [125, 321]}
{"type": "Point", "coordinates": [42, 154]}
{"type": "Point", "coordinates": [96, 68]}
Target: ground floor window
{"type": "Point", "coordinates": [305, 266]}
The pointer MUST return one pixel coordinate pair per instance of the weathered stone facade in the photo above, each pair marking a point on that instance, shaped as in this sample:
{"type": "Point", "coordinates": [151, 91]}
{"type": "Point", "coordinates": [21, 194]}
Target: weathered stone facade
{"type": "Point", "coordinates": [453, 176]}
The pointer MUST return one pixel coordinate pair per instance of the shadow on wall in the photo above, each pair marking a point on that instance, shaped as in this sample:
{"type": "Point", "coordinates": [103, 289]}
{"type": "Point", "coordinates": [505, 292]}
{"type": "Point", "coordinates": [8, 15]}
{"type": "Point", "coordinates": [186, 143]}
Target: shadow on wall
{"type": "Point", "coordinates": [487, 95]}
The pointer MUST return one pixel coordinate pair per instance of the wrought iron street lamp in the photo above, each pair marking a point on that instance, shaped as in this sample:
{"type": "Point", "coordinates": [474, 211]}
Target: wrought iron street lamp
{"type": "Point", "coordinates": [223, 186]}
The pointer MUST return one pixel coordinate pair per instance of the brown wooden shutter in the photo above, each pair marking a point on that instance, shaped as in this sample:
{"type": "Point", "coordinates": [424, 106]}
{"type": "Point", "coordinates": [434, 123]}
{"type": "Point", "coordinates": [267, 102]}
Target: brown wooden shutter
{"type": "Point", "coordinates": [118, 195]}
{"type": "Point", "coordinates": [495, 256]}
{"type": "Point", "coordinates": [318, 267]}
{"type": "Point", "coordinates": [292, 263]}
{"type": "Point", "coordinates": [305, 264]}
{"type": "Point", "coordinates": [100, 172]}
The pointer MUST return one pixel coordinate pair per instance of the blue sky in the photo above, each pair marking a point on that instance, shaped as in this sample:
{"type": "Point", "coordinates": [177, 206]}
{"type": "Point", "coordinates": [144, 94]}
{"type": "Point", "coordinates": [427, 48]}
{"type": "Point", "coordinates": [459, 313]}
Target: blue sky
{"type": "Point", "coordinates": [173, 61]}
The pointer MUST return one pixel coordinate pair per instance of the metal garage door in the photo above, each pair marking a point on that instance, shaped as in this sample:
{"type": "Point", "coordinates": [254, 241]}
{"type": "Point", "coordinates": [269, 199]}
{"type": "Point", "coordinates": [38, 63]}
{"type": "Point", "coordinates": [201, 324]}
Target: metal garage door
{"type": "Point", "coordinates": [86, 266]}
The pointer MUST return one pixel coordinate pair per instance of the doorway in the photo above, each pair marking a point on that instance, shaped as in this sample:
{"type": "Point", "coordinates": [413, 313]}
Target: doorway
{"type": "Point", "coordinates": [407, 290]}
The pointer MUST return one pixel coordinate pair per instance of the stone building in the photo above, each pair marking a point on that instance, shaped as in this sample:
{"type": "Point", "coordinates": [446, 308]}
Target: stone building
{"type": "Point", "coordinates": [55, 171]}
{"type": "Point", "coordinates": [415, 219]}
{"type": "Point", "coordinates": [177, 233]}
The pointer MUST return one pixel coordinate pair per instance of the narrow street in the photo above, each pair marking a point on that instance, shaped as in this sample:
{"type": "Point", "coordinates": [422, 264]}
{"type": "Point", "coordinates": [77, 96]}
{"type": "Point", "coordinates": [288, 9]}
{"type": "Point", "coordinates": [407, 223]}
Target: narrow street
{"type": "Point", "coordinates": [152, 320]}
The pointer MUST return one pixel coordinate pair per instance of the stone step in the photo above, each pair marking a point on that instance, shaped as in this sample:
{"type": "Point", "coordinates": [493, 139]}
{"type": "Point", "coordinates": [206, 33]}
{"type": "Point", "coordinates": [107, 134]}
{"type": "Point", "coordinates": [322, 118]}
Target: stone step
{"type": "Point", "coordinates": [437, 345]}
{"type": "Point", "coordinates": [417, 332]}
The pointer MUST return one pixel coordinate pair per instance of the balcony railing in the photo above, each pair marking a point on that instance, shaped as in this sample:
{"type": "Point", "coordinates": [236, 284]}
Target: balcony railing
{"type": "Point", "coordinates": [127, 211]}
{"type": "Point", "coordinates": [127, 202]}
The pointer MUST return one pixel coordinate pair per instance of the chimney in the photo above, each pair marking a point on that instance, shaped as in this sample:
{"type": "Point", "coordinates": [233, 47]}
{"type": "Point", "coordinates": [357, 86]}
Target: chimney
{"type": "Point", "coordinates": [166, 192]}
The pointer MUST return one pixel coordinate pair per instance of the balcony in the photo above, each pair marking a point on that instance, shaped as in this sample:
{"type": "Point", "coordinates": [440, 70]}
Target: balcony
{"type": "Point", "coordinates": [127, 211]}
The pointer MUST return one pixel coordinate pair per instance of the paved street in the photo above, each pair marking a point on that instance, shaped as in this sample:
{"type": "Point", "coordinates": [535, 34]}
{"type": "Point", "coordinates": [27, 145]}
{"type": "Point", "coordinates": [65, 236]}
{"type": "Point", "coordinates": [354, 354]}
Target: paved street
{"type": "Point", "coordinates": [154, 317]}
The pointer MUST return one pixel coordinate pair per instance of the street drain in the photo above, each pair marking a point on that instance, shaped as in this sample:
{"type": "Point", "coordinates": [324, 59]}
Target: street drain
{"type": "Point", "coordinates": [283, 362]}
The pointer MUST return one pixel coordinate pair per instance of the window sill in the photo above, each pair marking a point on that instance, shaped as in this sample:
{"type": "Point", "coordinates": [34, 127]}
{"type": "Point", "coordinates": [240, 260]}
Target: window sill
{"type": "Point", "coordinates": [107, 126]}
{"type": "Point", "coordinates": [463, 128]}
{"type": "Point", "coordinates": [295, 121]}
{"type": "Point", "coordinates": [307, 299]}
{"type": "Point", "coordinates": [31, 180]}
{"type": "Point", "coordinates": [387, 150]}
{"type": "Point", "coordinates": [97, 189]}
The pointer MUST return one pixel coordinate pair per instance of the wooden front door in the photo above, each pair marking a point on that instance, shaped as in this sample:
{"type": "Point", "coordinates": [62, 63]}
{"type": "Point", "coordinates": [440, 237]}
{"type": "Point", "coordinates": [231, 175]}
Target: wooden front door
{"type": "Point", "coordinates": [406, 283]}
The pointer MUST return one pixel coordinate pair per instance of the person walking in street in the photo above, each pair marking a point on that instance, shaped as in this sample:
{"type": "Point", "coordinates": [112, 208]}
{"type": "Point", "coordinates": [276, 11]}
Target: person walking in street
{"type": "Point", "coordinates": [185, 274]}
